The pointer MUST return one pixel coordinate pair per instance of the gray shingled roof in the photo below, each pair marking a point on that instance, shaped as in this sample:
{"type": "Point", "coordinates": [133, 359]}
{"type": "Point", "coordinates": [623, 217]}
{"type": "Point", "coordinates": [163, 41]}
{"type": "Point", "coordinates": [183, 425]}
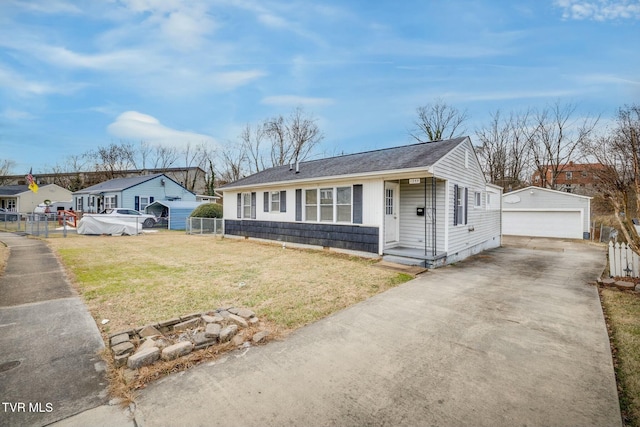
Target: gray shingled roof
{"type": "Point", "coordinates": [396, 158]}
{"type": "Point", "coordinates": [117, 184]}
{"type": "Point", "coordinates": [11, 190]}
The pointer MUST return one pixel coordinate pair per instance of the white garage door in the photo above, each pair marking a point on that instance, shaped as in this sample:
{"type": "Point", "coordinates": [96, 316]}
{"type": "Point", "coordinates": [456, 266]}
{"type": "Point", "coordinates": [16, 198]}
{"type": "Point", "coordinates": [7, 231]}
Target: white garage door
{"type": "Point", "coordinates": [562, 224]}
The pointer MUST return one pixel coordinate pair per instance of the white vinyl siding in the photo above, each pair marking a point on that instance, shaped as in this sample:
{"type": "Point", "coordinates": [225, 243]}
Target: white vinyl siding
{"type": "Point", "coordinates": [482, 224]}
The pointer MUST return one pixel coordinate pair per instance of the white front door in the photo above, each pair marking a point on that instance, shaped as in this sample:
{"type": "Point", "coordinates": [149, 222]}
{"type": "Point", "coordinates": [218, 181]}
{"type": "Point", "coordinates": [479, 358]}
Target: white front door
{"type": "Point", "coordinates": [391, 209]}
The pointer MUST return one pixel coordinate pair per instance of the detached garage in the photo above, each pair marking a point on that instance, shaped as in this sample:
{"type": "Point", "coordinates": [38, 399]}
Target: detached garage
{"type": "Point", "coordinates": [540, 212]}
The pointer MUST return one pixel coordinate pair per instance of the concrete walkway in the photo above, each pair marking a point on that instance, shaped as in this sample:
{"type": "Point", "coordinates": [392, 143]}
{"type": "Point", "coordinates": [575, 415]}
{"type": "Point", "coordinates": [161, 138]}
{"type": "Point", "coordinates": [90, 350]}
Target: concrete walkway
{"type": "Point", "coordinates": [514, 336]}
{"type": "Point", "coordinates": [49, 344]}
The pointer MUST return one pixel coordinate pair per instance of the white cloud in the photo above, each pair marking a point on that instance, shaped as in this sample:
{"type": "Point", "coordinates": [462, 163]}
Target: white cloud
{"type": "Point", "coordinates": [11, 81]}
{"type": "Point", "coordinates": [15, 115]}
{"type": "Point", "coordinates": [293, 100]}
{"type": "Point", "coordinates": [600, 10]}
{"type": "Point", "coordinates": [132, 125]}
{"type": "Point", "coordinates": [47, 6]}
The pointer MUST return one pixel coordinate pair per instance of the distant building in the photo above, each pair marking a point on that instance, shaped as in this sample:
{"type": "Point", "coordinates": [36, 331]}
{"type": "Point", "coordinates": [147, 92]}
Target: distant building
{"type": "Point", "coordinates": [578, 178]}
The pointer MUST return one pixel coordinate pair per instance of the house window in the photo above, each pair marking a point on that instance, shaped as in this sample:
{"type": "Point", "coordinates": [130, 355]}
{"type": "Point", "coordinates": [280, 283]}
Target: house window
{"type": "Point", "coordinates": [569, 175]}
{"type": "Point", "coordinates": [536, 178]}
{"type": "Point", "coordinates": [459, 205]}
{"type": "Point", "coordinates": [477, 197]}
{"type": "Point", "coordinates": [79, 204]}
{"type": "Point", "coordinates": [246, 205]}
{"type": "Point", "coordinates": [585, 174]}
{"type": "Point", "coordinates": [329, 204]}
{"type": "Point", "coordinates": [144, 202]}
{"type": "Point", "coordinates": [110, 202]}
{"type": "Point", "coordinates": [11, 204]}
{"type": "Point", "coordinates": [275, 201]}
{"type": "Point", "coordinates": [343, 204]}
{"type": "Point", "coordinates": [326, 204]}
{"type": "Point", "coordinates": [311, 205]}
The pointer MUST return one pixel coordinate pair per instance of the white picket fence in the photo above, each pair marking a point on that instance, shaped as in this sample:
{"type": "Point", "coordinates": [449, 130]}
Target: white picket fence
{"type": "Point", "coordinates": [623, 262]}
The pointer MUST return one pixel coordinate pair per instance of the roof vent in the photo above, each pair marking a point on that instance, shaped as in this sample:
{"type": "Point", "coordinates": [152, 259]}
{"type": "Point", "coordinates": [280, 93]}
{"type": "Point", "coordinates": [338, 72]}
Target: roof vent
{"type": "Point", "coordinates": [297, 167]}
{"type": "Point", "coordinates": [290, 166]}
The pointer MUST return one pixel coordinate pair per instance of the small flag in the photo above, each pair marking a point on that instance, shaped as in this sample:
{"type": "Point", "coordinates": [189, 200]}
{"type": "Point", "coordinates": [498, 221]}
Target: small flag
{"type": "Point", "coordinates": [32, 182]}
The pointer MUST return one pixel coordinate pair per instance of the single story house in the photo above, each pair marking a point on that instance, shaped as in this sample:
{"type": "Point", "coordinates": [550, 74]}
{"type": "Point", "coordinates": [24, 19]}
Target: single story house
{"type": "Point", "coordinates": [18, 198]}
{"type": "Point", "coordinates": [424, 204]}
{"type": "Point", "coordinates": [136, 192]}
{"type": "Point", "coordinates": [173, 212]}
{"type": "Point", "coordinates": [541, 212]}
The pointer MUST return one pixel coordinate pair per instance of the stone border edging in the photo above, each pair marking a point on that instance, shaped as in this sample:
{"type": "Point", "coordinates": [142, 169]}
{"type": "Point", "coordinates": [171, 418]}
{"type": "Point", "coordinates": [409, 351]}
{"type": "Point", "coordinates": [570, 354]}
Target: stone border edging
{"type": "Point", "coordinates": [177, 337]}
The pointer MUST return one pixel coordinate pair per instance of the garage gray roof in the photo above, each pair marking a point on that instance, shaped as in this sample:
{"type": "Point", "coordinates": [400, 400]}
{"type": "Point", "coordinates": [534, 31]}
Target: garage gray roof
{"type": "Point", "coordinates": [396, 158]}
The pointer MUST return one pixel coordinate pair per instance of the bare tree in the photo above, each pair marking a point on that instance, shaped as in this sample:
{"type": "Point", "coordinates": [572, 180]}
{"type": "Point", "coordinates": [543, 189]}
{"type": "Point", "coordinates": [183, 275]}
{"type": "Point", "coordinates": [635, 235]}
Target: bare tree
{"type": "Point", "coordinates": [618, 151]}
{"type": "Point", "coordinates": [70, 174]}
{"type": "Point", "coordinates": [113, 158]}
{"type": "Point", "coordinates": [504, 149]}
{"type": "Point", "coordinates": [292, 138]}
{"type": "Point", "coordinates": [164, 157]}
{"type": "Point", "coordinates": [438, 121]}
{"type": "Point", "coordinates": [196, 159]}
{"type": "Point", "coordinates": [251, 141]}
{"type": "Point", "coordinates": [554, 139]}
{"type": "Point", "coordinates": [6, 166]}
{"type": "Point", "coordinates": [232, 159]}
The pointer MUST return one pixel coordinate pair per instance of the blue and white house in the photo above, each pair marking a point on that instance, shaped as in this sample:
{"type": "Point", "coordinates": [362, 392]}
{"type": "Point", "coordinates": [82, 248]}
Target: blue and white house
{"type": "Point", "coordinates": [131, 193]}
{"type": "Point", "coordinates": [424, 204]}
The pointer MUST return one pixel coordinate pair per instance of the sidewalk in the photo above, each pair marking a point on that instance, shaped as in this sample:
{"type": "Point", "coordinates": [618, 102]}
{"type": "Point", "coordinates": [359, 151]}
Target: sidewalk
{"type": "Point", "coordinates": [49, 343]}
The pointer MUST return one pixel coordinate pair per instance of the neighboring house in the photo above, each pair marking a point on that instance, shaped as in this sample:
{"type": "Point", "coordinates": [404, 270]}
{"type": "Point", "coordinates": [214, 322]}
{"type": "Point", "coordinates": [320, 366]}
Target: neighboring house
{"type": "Point", "coordinates": [426, 203]}
{"type": "Point", "coordinates": [19, 198]}
{"type": "Point", "coordinates": [572, 177]}
{"type": "Point", "coordinates": [174, 212]}
{"type": "Point", "coordinates": [540, 212]}
{"type": "Point", "coordinates": [193, 178]}
{"type": "Point", "coordinates": [132, 193]}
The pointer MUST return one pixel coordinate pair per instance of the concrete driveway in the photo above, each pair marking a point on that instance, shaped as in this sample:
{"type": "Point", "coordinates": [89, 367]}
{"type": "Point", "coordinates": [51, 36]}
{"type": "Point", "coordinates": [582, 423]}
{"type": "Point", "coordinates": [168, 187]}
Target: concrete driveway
{"type": "Point", "coordinates": [49, 343]}
{"type": "Point", "coordinates": [514, 336]}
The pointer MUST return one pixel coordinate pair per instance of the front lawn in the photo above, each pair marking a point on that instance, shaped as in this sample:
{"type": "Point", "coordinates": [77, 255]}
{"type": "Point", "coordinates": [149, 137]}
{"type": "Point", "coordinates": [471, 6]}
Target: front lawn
{"type": "Point", "coordinates": [137, 280]}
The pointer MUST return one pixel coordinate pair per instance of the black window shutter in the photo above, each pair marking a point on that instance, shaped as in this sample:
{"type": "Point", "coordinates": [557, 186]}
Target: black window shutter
{"type": "Point", "coordinates": [283, 201]}
{"type": "Point", "coordinates": [150, 199]}
{"type": "Point", "coordinates": [239, 205]}
{"type": "Point", "coordinates": [298, 204]}
{"type": "Point", "coordinates": [253, 205]}
{"type": "Point", "coordinates": [265, 202]}
{"type": "Point", "coordinates": [455, 205]}
{"type": "Point", "coordinates": [357, 204]}
{"type": "Point", "coordinates": [115, 201]}
{"type": "Point", "coordinates": [136, 203]}
{"type": "Point", "coordinates": [466, 203]}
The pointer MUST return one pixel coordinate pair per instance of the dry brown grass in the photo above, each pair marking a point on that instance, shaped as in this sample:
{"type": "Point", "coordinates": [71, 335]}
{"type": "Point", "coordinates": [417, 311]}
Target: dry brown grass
{"type": "Point", "coordinates": [137, 280]}
{"type": "Point", "coordinates": [623, 313]}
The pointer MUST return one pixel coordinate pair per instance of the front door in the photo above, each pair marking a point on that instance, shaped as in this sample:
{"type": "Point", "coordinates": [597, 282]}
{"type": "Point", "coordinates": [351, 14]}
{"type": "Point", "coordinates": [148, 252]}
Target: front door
{"type": "Point", "coordinates": [391, 208]}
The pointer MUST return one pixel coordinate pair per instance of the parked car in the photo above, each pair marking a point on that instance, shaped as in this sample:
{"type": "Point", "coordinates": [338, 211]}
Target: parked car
{"type": "Point", "coordinates": [146, 220]}
{"type": "Point", "coordinates": [7, 215]}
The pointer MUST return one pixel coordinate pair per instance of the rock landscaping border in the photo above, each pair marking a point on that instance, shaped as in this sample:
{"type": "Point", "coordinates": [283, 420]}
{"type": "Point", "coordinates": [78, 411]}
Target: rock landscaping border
{"type": "Point", "coordinates": [177, 337]}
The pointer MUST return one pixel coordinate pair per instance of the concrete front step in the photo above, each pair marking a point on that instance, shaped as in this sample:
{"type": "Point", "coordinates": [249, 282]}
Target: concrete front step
{"type": "Point", "coordinates": [404, 260]}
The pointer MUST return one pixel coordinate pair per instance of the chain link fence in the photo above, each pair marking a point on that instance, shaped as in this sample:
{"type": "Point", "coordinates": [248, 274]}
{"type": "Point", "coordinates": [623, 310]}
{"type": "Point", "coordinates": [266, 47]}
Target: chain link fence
{"type": "Point", "coordinates": [205, 226]}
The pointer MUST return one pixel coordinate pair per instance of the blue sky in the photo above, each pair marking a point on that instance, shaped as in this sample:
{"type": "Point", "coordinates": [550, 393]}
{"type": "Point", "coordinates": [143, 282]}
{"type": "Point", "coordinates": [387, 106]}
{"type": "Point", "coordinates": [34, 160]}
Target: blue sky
{"type": "Point", "coordinates": [75, 75]}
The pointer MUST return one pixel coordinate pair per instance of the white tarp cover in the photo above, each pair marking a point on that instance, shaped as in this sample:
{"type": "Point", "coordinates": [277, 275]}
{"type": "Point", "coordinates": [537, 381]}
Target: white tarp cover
{"type": "Point", "coordinates": [104, 224]}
